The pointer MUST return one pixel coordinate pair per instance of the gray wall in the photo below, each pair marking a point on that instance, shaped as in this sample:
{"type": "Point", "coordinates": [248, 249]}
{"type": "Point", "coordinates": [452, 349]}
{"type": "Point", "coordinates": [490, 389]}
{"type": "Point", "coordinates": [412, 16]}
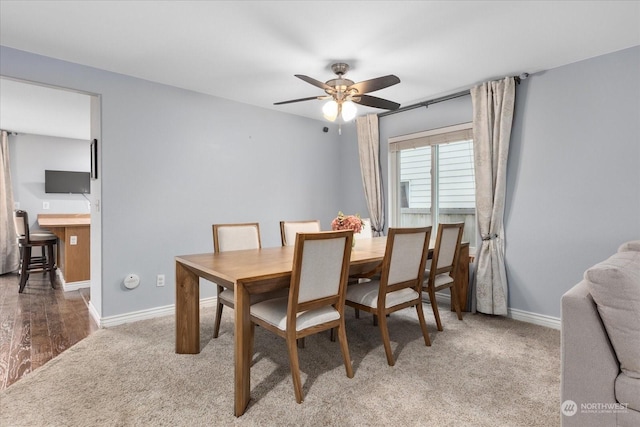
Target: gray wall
{"type": "Point", "coordinates": [350, 188]}
{"type": "Point", "coordinates": [30, 156]}
{"type": "Point", "coordinates": [573, 175]}
{"type": "Point", "coordinates": [173, 162]}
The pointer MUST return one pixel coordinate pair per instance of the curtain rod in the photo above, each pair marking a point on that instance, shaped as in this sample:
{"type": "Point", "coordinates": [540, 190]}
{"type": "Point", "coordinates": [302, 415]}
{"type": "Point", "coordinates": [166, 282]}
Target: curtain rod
{"type": "Point", "coordinates": [442, 98]}
{"type": "Point", "coordinates": [426, 103]}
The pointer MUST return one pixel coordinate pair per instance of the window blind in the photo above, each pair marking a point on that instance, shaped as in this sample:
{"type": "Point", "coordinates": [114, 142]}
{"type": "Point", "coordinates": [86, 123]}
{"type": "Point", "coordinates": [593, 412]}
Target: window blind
{"type": "Point", "coordinates": [461, 132]}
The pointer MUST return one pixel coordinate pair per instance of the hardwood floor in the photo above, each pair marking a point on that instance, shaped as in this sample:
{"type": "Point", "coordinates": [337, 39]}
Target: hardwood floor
{"type": "Point", "coordinates": [38, 324]}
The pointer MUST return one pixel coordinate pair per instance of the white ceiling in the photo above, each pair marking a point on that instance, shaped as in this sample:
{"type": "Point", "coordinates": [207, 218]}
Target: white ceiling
{"type": "Point", "coordinates": [249, 51]}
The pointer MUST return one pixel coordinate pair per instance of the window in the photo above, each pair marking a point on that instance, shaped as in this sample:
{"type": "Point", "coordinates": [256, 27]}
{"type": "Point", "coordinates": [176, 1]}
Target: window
{"type": "Point", "coordinates": [437, 167]}
{"type": "Point", "coordinates": [404, 194]}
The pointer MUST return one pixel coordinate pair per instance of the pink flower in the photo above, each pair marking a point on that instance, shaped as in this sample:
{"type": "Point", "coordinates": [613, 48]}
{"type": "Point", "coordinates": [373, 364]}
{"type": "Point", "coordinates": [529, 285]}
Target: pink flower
{"type": "Point", "coordinates": [347, 222]}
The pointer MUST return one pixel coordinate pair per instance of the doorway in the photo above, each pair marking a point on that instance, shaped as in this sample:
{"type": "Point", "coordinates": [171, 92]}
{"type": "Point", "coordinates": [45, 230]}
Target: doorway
{"type": "Point", "coordinates": [39, 112]}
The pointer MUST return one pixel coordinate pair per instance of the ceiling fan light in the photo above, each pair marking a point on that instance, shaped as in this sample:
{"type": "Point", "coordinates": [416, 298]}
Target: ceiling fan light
{"type": "Point", "coordinates": [330, 110]}
{"type": "Point", "coordinates": [349, 111]}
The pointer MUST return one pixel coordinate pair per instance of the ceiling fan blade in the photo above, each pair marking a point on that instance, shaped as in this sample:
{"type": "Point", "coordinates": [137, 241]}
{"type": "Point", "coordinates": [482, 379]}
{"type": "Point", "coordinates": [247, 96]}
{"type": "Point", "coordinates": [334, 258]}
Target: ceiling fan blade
{"type": "Point", "coordinates": [373, 101]}
{"type": "Point", "coordinates": [314, 82]}
{"type": "Point", "coordinates": [298, 100]}
{"type": "Point", "coordinates": [375, 84]}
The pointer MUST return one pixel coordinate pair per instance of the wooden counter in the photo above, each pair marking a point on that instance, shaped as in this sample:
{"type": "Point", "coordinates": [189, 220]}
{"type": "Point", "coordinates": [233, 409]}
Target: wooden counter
{"type": "Point", "coordinates": [73, 259]}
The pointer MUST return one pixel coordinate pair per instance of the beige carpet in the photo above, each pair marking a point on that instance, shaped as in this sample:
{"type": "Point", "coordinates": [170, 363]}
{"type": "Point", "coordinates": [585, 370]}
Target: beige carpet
{"type": "Point", "coordinates": [483, 371]}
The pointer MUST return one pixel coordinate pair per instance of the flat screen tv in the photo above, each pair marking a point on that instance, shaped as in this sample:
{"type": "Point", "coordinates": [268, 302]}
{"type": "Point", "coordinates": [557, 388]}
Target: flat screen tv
{"type": "Point", "coordinates": [67, 182]}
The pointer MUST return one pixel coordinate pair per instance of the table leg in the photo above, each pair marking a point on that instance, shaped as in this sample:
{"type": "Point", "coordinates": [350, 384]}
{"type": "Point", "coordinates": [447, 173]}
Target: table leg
{"type": "Point", "coordinates": [187, 311]}
{"type": "Point", "coordinates": [242, 349]}
{"type": "Point", "coordinates": [462, 278]}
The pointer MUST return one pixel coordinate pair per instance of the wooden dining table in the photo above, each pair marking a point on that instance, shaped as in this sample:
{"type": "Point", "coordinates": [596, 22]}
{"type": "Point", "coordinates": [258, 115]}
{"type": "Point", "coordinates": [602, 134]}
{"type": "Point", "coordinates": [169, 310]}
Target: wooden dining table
{"type": "Point", "coordinates": [248, 272]}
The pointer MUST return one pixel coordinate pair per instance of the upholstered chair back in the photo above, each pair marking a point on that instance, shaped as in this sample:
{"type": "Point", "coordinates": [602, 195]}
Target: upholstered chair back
{"type": "Point", "coordinates": [236, 237]}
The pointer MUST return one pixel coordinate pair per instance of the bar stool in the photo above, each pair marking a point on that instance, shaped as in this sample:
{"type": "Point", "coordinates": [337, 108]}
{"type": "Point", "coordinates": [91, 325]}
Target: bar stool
{"type": "Point", "coordinates": [26, 243]}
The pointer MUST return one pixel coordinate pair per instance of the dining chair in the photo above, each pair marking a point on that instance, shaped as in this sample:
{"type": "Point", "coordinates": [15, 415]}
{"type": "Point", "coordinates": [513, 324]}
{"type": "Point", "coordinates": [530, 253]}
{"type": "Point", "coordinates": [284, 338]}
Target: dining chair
{"type": "Point", "coordinates": [234, 237]}
{"type": "Point", "coordinates": [288, 230]}
{"type": "Point", "coordinates": [366, 232]}
{"type": "Point", "coordinates": [26, 242]}
{"type": "Point", "coordinates": [316, 297]}
{"type": "Point", "coordinates": [400, 283]}
{"type": "Point", "coordinates": [445, 259]}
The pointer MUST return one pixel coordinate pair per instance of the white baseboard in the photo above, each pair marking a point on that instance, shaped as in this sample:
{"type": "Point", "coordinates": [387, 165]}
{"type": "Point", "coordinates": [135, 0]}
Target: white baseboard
{"type": "Point", "coordinates": [74, 286]}
{"type": "Point", "coordinates": [167, 310]}
{"type": "Point", "coordinates": [444, 299]}
{"type": "Point", "coordinates": [94, 313]}
{"type": "Point", "coordinates": [514, 313]}
{"type": "Point", "coordinates": [535, 318]}
{"type": "Point", "coordinates": [71, 286]}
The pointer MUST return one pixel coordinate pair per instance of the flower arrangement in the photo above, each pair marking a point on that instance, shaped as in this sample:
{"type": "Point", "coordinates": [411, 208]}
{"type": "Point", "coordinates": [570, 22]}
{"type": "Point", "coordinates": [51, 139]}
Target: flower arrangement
{"type": "Point", "coordinates": [347, 222]}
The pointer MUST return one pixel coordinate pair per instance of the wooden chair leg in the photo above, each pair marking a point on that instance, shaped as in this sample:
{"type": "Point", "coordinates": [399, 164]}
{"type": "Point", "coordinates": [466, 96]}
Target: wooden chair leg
{"type": "Point", "coordinates": [357, 313]}
{"type": "Point", "coordinates": [455, 300]}
{"type": "Point", "coordinates": [332, 334]}
{"type": "Point", "coordinates": [51, 265]}
{"type": "Point", "coordinates": [219, 307]}
{"type": "Point", "coordinates": [216, 326]}
{"type": "Point", "coordinates": [252, 333]}
{"type": "Point", "coordinates": [423, 324]}
{"type": "Point", "coordinates": [24, 271]}
{"type": "Point", "coordinates": [300, 342]}
{"type": "Point", "coordinates": [384, 331]}
{"type": "Point", "coordinates": [375, 319]}
{"type": "Point", "coordinates": [434, 307]}
{"type": "Point", "coordinates": [20, 250]}
{"type": "Point", "coordinates": [344, 348]}
{"type": "Point", "coordinates": [43, 259]}
{"type": "Point", "coordinates": [295, 367]}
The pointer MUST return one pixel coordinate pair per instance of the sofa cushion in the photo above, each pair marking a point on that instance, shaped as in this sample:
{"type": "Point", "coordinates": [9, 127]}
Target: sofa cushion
{"type": "Point", "coordinates": [615, 287]}
{"type": "Point", "coordinates": [628, 391]}
{"type": "Point", "coordinates": [633, 245]}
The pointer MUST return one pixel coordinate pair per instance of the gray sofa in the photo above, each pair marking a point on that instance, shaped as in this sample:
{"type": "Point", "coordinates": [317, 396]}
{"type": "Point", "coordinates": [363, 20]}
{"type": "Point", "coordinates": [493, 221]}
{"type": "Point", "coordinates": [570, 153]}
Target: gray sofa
{"type": "Point", "coordinates": [600, 384]}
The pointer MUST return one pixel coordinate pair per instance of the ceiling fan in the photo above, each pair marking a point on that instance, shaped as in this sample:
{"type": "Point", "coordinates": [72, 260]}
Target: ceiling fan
{"type": "Point", "coordinates": [343, 93]}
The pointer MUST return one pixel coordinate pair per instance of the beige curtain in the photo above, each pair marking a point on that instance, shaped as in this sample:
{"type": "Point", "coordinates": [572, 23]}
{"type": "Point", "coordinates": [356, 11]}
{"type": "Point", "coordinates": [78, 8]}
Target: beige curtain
{"type": "Point", "coordinates": [492, 118]}
{"type": "Point", "coordinates": [8, 246]}
{"type": "Point", "coordinates": [369, 149]}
